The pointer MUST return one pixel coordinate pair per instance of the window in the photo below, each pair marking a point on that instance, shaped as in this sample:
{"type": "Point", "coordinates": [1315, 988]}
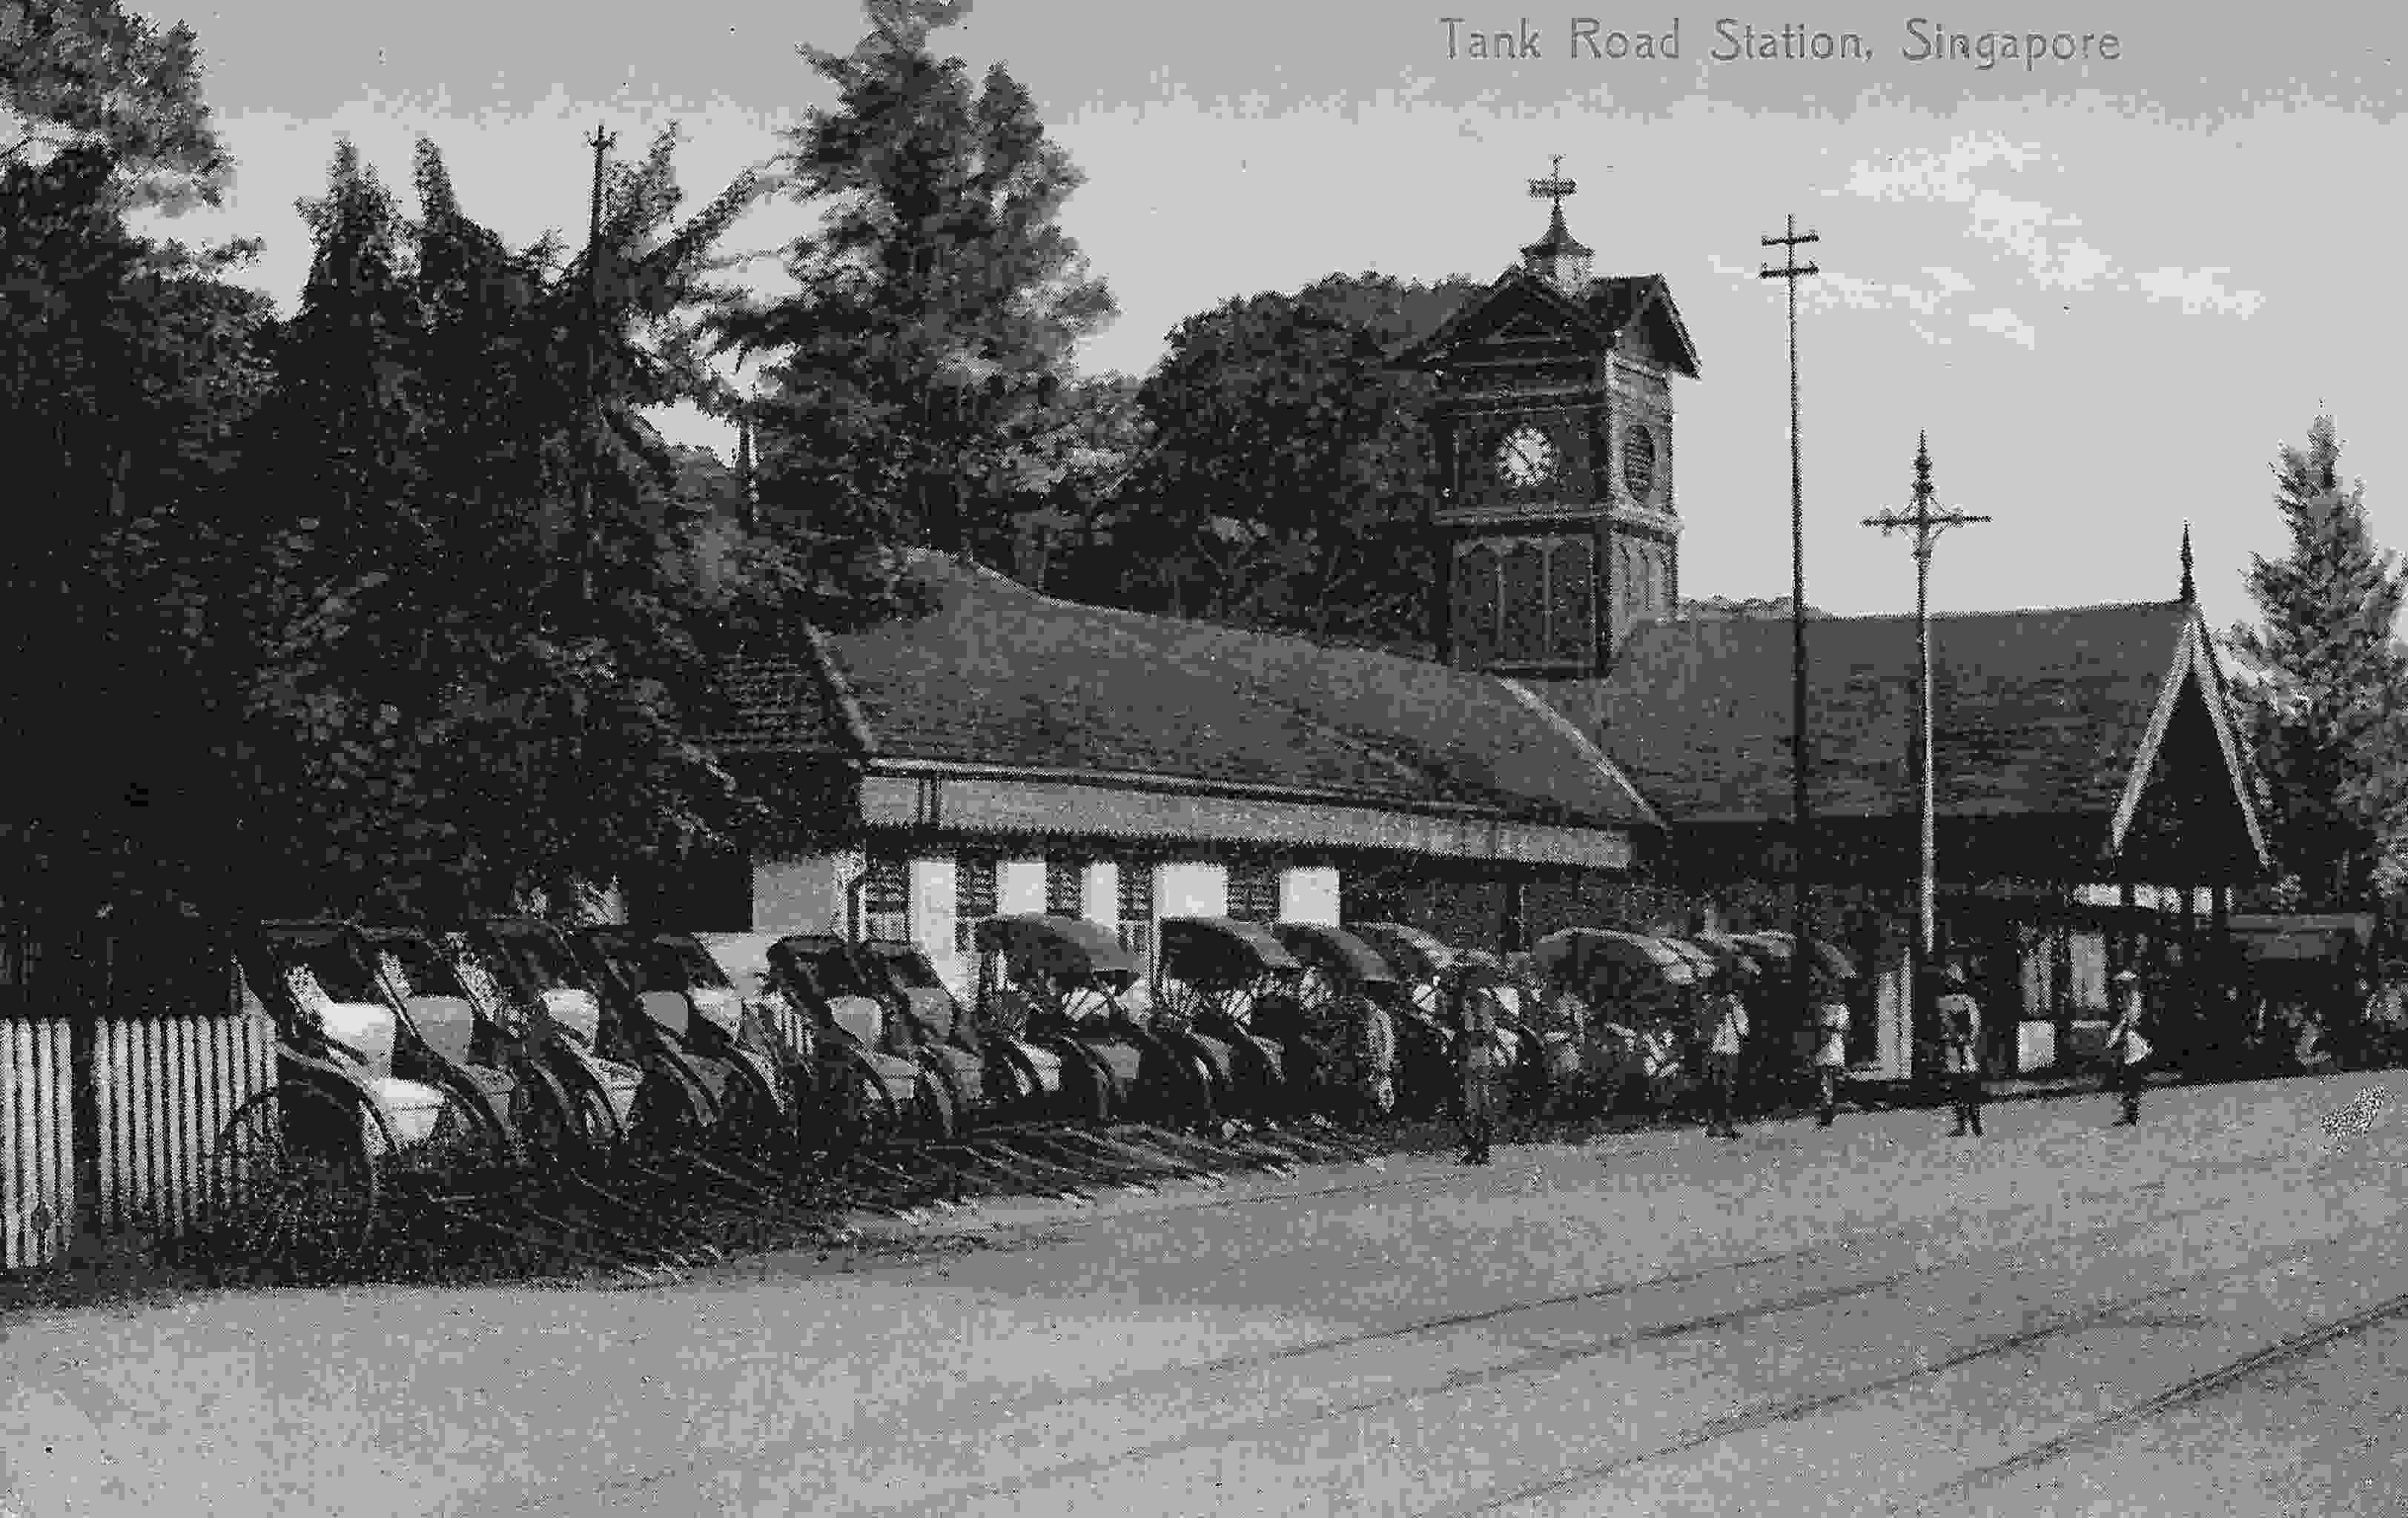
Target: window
{"type": "Point", "coordinates": [1571, 635]}
{"type": "Point", "coordinates": [1475, 631]}
{"type": "Point", "coordinates": [1255, 892]}
{"type": "Point", "coordinates": [1136, 906]}
{"type": "Point", "coordinates": [1066, 887]}
{"type": "Point", "coordinates": [886, 898]}
{"type": "Point", "coordinates": [974, 896]}
{"type": "Point", "coordinates": [888, 888]}
{"type": "Point", "coordinates": [1523, 629]}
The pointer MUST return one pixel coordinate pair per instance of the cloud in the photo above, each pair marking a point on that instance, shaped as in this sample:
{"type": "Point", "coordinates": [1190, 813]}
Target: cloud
{"type": "Point", "coordinates": [2006, 324]}
{"type": "Point", "coordinates": [2199, 290]}
{"type": "Point", "coordinates": [2035, 234]}
{"type": "Point", "coordinates": [1833, 291]}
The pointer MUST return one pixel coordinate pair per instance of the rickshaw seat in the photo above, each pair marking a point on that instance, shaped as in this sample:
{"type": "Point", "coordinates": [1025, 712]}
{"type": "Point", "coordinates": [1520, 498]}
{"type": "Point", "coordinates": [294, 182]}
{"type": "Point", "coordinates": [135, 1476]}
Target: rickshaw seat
{"type": "Point", "coordinates": [577, 1011]}
{"type": "Point", "coordinates": [446, 1024]}
{"type": "Point", "coordinates": [719, 1006]}
{"type": "Point", "coordinates": [859, 1018]}
{"type": "Point", "coordinates": [667, 1011]}
{"type": "Point", "coordinates": [410, 1108]}
{"type": "Point", "coordinates": [369, 1028]}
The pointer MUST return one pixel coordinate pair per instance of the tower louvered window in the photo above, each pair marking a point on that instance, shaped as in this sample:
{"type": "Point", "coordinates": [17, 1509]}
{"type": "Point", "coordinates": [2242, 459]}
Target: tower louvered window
{"type": "Point", "coordinates": [974, 896]}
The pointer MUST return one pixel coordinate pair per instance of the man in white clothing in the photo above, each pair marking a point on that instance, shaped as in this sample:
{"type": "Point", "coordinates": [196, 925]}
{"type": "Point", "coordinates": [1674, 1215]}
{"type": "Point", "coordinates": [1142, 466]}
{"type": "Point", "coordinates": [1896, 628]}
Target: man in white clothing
{"type": "Point", "coordinates": [1724, 1028]}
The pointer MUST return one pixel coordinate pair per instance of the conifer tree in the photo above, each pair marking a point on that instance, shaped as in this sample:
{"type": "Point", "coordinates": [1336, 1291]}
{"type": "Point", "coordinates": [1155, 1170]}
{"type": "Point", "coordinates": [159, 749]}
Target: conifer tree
{"type": "Point", "coordinates": [2328, 728]}
{"type": "Point", "coordinates": [940, 302]}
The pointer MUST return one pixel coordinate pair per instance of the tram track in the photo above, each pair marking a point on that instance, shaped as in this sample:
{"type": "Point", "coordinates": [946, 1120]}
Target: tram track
{"type": "Point", "coordinates": [2192, 1389]}
{"type": "Point", "coordinates": [1523, 1367]}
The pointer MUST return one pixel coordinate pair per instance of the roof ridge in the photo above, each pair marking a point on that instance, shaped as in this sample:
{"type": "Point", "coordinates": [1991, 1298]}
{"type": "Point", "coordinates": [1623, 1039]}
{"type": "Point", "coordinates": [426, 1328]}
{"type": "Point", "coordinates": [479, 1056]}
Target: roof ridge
{"type": "Point", "coordinates": [831, 674]}
{"type": "Point", "coordinates": [1163, 619]}
{"type": "Point", "coordinates": [1580, 741]}
{"type": "Point", "coordinates": [1677, 621]}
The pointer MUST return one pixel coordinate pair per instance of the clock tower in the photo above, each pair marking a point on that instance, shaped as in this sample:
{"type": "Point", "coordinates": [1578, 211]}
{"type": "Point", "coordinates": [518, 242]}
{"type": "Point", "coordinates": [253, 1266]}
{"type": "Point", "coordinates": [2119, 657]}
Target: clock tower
{"type": "Point", "coordinates": [1553, 443]}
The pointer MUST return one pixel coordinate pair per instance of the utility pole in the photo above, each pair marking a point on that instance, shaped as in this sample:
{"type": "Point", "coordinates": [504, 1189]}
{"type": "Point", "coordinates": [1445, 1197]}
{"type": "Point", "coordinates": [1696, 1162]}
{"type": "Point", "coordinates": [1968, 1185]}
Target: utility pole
{"type": "Point", "coordinates": [601, 142]}
{"type": "Point", "coordinates": [1927, 524]}
{"type": "Point", "coordinates": [1790, 272]}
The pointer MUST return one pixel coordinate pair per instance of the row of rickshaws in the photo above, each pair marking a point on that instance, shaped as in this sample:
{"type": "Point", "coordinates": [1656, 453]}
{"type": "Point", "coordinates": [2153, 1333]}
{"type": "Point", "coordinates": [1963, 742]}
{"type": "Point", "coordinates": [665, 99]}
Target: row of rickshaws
{"type": "Point", "coordinates": [515, 1095]}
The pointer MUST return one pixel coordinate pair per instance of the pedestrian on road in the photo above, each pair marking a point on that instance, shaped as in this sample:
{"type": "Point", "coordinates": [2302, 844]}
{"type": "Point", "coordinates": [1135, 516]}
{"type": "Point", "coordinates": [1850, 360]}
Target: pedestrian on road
{"type": "Point", "coordinates": [1724, 1027]}
{"type": "Point", "coordinates": [2125, 1048]}
{"type": "Point", "coordinates": [1830, 1046]}
{"type": "Point", "coordinates": [1473, 1016]}
{"type": "Point", "coordinates": [1960, 1031]}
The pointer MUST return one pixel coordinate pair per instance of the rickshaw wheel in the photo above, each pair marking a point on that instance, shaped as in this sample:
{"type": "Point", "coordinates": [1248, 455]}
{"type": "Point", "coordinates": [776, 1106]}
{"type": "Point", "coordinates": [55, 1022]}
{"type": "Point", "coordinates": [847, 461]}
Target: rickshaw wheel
{"type": "Point", "coordinates": [542, 1114]}
{"type": "Point", "coordinates": [1086, 1087]}
{"type": "Point", "coordinates": [932, 1118]}
{"type": "Point", "coordinates": [596, 1126]}
{"type": "Point", "coordinates": [752, 1117]}
{"type": "Point", "coordinates": [865, 1114]}
{"type": "Point", "coordinates": [1190, 1089]}
{"type": "Point", "coordinates": [463, 1139]}
{"type": "Point", "coordinates": [291, 1184]}
{"type": "Point", "coordinates": [666, 1115]}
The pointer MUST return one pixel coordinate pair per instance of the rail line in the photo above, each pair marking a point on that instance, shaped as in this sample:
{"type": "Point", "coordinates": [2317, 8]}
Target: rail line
{"type": "Point", "coordinates": [2196, 1388]}
{"type": "Point", "coordinates": [1536, 1363]}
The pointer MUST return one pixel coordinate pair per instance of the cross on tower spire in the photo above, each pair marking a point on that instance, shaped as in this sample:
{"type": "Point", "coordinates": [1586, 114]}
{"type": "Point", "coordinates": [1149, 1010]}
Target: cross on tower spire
{"type": "Point", "coordinates": [1555, 186]}
{"type": "Point", "coordinates": [1559, 257]}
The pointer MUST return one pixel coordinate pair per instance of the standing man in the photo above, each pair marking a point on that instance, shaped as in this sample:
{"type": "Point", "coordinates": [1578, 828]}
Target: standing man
{"type": "Point", "coordinates": [1961, 1031]}
{"type": "Point", "coordinates": [1831, 1044]}
{"type": "Point", "coordinates": [2125, 1048]}
{"type": "Point", "coordinates": [1474, 1021]}
{"type": "Point", "coordinates": [1724, 1028]}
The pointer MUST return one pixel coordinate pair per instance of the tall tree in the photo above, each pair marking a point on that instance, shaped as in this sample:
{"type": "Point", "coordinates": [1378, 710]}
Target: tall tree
{"type": "Point", "coordinates": [479, 674]}
{"type": "Point", "coordinates": [87, 74]}
{"type": "Point", "coordinates": [939, 301]}
{"type": "Point", "coordinates": [2333, 719]}
{"type": "Point", "coordinates": [1284, 485]}
{"type": "Point", "coordinates": [128, 366]}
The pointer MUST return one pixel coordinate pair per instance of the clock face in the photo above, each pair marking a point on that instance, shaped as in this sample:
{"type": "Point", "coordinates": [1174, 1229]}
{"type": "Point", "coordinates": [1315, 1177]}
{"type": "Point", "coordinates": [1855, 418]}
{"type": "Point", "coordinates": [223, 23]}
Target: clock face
{"type": "Point", "coordinates": [1525, 457]}
{"type": "Point", "coordinates": [1639, 463]}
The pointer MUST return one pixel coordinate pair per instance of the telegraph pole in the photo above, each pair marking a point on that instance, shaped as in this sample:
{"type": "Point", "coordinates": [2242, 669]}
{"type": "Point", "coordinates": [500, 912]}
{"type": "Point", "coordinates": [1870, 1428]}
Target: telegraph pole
{"type": "Point", "coordinates": [1927, 524]}
{"type": "Point", "coordinates": [601, 142]}
{"type": "Point", "coordinates": [1790, 272]}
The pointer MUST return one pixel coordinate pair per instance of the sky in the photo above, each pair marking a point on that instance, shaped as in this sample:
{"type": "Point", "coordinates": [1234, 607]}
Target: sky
{"type": "Point", "coordinates": [2108, 287]}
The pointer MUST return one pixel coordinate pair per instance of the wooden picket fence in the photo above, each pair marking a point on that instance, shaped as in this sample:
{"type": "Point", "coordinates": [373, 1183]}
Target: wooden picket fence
{"type": "Point", "coordinates": [168, 1083]}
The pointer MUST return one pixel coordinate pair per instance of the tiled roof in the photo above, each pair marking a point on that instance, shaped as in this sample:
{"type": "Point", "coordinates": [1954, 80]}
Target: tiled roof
{"type": "Point", "coordinates": [2034, 712]}
{"type": "Point", "coordinates": [995, 674]}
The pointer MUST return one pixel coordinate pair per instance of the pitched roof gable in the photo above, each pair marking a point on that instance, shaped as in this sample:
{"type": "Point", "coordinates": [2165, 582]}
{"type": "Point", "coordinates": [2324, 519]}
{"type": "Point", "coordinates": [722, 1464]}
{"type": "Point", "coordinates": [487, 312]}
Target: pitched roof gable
{"type": "Point", "coordinates": [2049, 712]}
{"type": "Point", "coordinates": [1607, 308]}
{"type": "Point", "coordinates": [1514, 292]}
{"type": "Point", "coordinates": [995, 676]}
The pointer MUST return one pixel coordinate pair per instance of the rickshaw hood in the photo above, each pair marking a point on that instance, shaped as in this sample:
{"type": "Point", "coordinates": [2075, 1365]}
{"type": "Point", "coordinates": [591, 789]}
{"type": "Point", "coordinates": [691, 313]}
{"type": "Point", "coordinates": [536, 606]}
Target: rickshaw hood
{"type": "Point", "coordinates": [1071, 947]}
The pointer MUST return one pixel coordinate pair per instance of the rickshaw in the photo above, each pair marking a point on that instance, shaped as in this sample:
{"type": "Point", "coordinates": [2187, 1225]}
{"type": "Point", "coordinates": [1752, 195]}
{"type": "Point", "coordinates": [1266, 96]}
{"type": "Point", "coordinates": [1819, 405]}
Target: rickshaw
{"type": "Point", "coordinates": [947, 1038]}
{"type": "Point", "coordinates": [1426, 1079]}
{"type": "Point", "coordinates": [1342, 992]}
{"type": "Point", "coordinates": [296, 1172]}
{"type": "Point", "coordinates": [1230, 985]}
{"type": "Point", "coordinates": [524, 977]}
{"type": "Point", "coordinates": [1637, 989]}
{"type": "Point", "coordinates": [678, 1011]}
{"type": "Point", "coordinates": [844, 1045]}
{"type": "Point", "coordinates": [1067, 984]}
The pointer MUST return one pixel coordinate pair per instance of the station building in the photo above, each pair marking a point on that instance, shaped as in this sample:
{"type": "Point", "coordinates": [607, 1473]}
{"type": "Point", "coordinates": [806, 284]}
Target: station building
{"type": "Point", "coordinates": [1575, 735]}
